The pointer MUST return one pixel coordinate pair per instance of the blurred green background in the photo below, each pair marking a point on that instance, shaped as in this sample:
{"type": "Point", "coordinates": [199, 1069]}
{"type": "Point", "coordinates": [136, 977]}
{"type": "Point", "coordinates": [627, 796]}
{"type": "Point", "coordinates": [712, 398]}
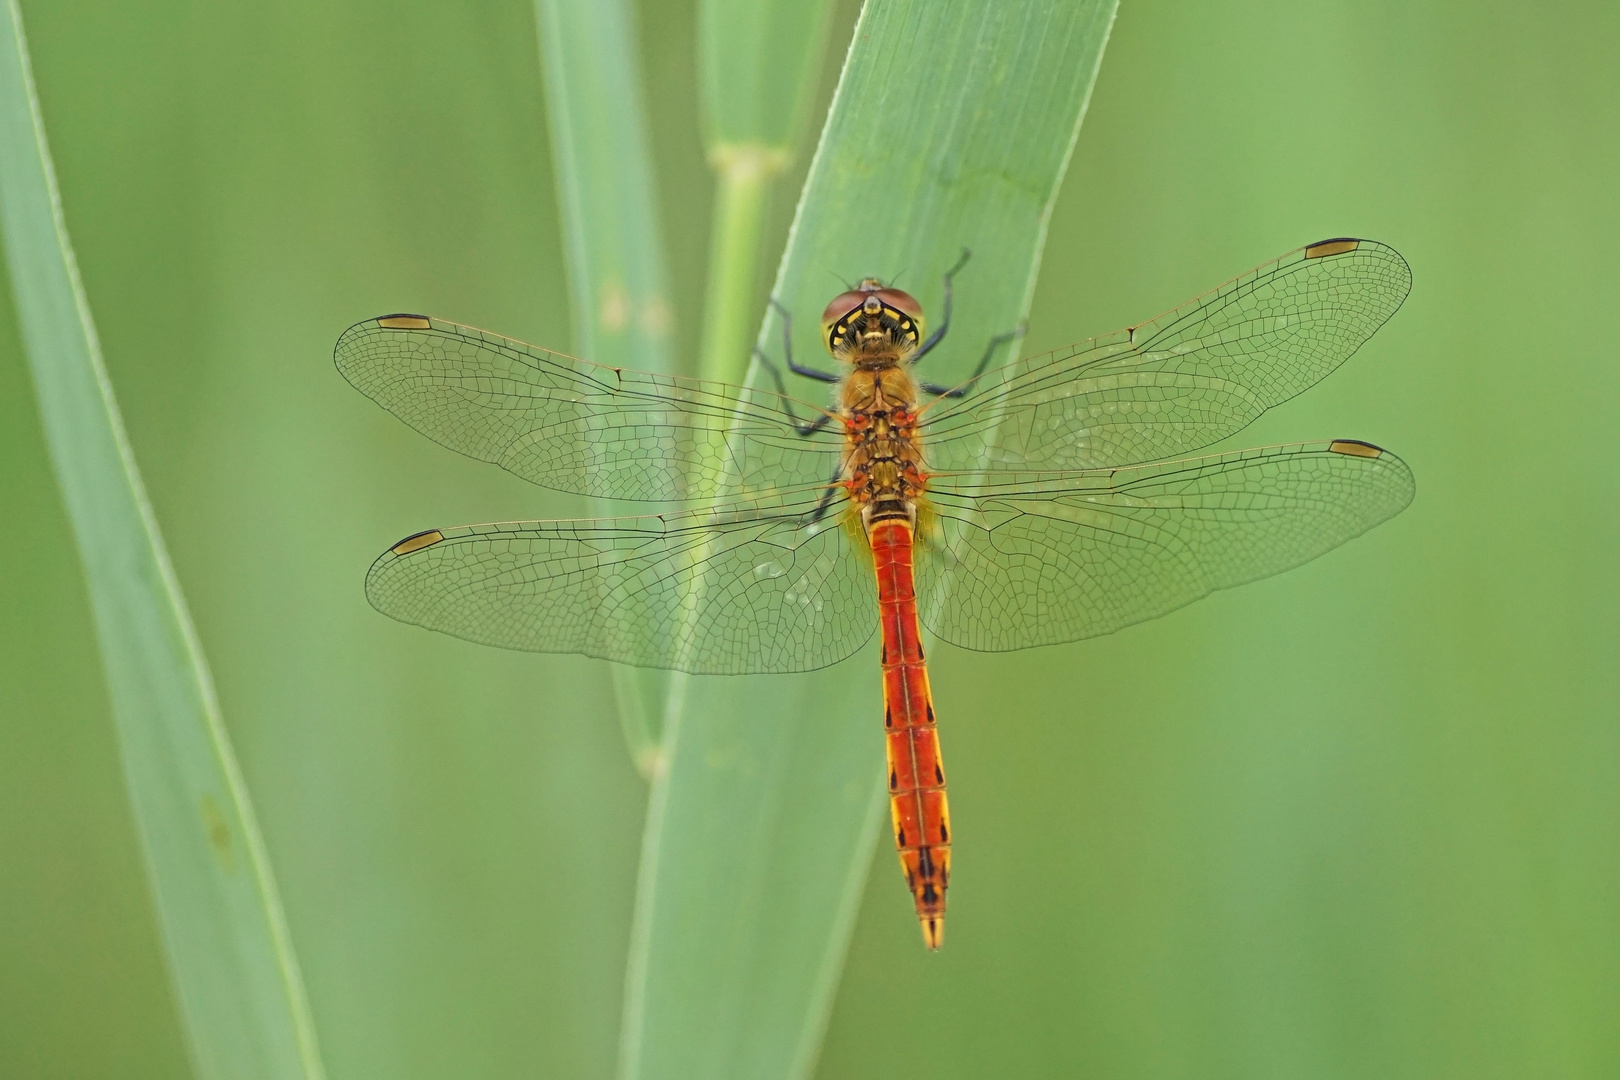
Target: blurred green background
{"type": "Point", "coordinates": [1359, 820]}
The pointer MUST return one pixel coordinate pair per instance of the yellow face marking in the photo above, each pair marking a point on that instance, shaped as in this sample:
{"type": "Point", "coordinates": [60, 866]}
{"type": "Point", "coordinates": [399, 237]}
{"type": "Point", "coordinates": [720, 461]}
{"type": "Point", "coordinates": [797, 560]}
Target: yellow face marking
{"type": "Point", "coordinates": [1355, 448]}
{"type": "Point", "coordinates": [905, 326]}
{"type": "Point", "coordinates": [404, 322]}
{"type": "Point", "coordinates": [417, 542]}
{"type": "Point", "coordinates": [1331, 247]}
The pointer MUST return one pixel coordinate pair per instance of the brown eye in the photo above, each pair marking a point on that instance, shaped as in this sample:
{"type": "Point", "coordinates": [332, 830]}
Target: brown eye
{"type": "Point", "coordinates": [843, 304]}
{"type": "Point", "coordinates": [903, 302]}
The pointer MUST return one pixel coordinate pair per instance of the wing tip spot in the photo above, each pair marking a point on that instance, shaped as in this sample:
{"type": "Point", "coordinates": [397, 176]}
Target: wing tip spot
{"type": "Point", "coordinates": [1338, 245]}
{"type": "Point", "coordinates": [417, 541]}
{"type": "Point", "coordinates": [404, 320]}
{"type": "Point", "coordinates": [1355, 448]}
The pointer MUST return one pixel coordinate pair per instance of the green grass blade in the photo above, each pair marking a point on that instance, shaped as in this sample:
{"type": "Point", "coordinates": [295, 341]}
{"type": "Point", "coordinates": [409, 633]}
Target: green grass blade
{"type": "Point", "coordinates": [952, 126]}
{"type": "Point", "coordinates": [758, 62]}
{"type": "Point", "coordinates": [235, 977]}
{"type": "Point", "coordinates": [618, 285]}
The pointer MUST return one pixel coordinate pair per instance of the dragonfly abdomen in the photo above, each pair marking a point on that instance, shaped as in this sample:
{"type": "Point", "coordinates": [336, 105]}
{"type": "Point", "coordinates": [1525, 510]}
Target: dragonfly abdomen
{"type": "Point", "coordinates": [916, 769]}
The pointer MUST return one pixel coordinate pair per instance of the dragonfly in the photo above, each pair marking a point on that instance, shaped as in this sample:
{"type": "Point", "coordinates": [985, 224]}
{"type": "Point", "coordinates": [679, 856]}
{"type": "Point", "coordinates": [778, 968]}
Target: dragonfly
{"type": "Point", "coordinates": [1042, 500]}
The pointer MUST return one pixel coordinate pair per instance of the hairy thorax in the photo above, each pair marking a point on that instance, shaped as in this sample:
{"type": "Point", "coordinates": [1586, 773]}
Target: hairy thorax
{"type": "Point", "coordinates": [883, 463]}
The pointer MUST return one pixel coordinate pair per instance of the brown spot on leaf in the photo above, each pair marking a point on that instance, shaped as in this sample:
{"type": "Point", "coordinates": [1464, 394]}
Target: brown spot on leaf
{"type": "Point", "coordinates": [218, 831]}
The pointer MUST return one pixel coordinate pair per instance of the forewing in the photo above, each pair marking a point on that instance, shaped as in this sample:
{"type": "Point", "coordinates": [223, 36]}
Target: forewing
{"type": "Point", "coordinates": [1036, 559]}
{"type": "Point", "coordinates": [580, 427]}
{"type": "Point", "coordinates": [1181, 381]}
{"type": "Point", "coordinates": [748, 587]}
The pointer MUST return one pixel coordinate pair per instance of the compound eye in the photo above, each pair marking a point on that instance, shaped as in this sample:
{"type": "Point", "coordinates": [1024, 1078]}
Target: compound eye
{"type": "Point", "coordinates": [842, 306]}
{"type": "Point", "coordinates": [904, 303]}
{"type": "Point", "coordinates": [901, 301]}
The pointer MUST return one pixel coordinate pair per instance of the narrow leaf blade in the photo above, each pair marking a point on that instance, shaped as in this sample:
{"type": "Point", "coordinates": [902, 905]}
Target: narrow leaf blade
{"type": "Point", "coordinates": [952, 126]}
{"type": "Point", "coordinates": [240, 995]}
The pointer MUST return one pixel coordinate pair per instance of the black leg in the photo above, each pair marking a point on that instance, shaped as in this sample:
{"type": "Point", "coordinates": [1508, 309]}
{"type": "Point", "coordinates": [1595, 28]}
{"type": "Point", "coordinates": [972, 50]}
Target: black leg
{"type": "Point", "coordinates": [945, 317]}
{"type": "Point", "coordinates": [966, 388]}
{"type": "Point", "coordinates": [806, 430]}
{"type": "Point", "coordinates": [787, 347]}
{"type": "Point", "coordinates": [803, 429]}
{"type": "Point", "coordinates": [826, 500]}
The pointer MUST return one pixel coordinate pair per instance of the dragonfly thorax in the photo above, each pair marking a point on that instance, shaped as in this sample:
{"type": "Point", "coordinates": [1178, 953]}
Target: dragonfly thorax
{"type": "Point", "coordinates": [883, 465]}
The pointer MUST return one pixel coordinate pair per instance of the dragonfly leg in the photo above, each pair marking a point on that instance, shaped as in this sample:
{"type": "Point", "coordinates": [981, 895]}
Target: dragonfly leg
{"type": "Point", "coordinates": [787, 347]}
{"type": "Point", "coordinates": [945, 317]}
{"type": "Point", "coordinates": [826, 500]}
{"type": "Point", "coordinates": [803, 428]}
{"type": "Point", "coordinates": [966, 388]}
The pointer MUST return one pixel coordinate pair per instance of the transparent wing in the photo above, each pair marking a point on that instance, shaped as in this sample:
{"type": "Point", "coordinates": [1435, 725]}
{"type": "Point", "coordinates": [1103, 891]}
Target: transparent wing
{"type": "Point", "coordinates": [748, 587]}
{"type": "Point", "coordinates": [580, 427]}
{"type": "Point", "coordinates": [1035, 559]}
{"type": "Point", "coordinates": [1181, 381]}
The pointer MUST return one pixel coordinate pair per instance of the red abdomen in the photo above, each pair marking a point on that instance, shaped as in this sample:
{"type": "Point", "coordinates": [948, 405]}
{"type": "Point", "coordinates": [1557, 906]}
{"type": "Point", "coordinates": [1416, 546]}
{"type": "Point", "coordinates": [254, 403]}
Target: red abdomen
{"type": "Point", "coordinates": [916, 770]}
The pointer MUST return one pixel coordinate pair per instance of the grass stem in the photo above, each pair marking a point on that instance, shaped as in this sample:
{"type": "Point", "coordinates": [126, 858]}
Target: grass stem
{"type": "Point", "coordinates": [608, 207]}
{"type": "Point", "coordinates": [731, 310]}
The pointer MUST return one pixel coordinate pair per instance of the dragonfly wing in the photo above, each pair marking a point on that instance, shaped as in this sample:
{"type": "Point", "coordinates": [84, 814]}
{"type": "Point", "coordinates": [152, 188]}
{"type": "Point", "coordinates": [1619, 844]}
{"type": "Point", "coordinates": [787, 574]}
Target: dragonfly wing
{"type": "Point", "coordinates": [580, 427]}
{"type": "Point", "coordinates": [744, 588]}
{"type": "Point", "coordinates": [1174, 384]}
{"type": "Point", "coordinates": [1036, 559]}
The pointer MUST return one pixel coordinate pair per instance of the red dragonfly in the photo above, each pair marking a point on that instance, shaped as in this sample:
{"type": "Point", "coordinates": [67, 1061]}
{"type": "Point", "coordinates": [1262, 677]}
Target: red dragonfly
{"type": "Point", "coordinates": [1041, 501]}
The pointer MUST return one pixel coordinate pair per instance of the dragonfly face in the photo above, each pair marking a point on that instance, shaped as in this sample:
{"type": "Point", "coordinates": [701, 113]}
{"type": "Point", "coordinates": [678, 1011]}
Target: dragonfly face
{"type": "Point", "coordinates": [871, 323]}
{"type": "Point", "coordinates": [1060, 502]}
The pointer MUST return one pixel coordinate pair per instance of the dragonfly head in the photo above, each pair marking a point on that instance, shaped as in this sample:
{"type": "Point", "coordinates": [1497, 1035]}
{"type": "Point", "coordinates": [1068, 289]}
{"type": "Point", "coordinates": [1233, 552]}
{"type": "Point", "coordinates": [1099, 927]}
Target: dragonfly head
{"type": "Point", "coordinates": [872, 321]}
